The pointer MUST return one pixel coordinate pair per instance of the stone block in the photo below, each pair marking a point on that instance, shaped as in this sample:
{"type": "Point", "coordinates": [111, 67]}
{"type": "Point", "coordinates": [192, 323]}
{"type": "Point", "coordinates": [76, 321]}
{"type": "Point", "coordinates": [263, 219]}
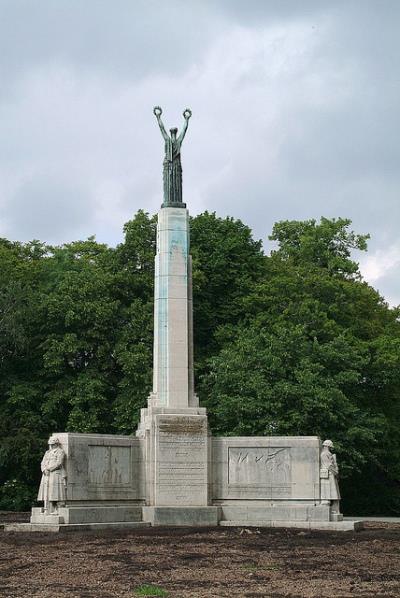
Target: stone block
{"type": "Point", "coordinates": [39, 516]}
{"type": "Point", "coordinates": [100, 514]}
{"type": "Point", "coordinates": [181, 516]}
{"type": "Point", "coordinates": [252, 511]}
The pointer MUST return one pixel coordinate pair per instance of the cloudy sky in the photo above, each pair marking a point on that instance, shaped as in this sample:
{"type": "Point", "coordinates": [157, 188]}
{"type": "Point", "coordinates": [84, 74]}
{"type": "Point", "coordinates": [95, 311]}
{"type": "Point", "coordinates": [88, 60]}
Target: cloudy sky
{"type": "Point", "coordinates": [295, 115]}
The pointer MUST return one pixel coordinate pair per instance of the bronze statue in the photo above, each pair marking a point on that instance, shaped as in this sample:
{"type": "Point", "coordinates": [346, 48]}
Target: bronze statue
{"type": "Point", "coordinates": [172, 168]}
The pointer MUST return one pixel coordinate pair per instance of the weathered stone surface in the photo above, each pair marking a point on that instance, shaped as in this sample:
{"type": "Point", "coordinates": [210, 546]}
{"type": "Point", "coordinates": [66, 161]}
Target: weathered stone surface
{"type": "Point", "coordinates": [254, 511]}
{"type": "Point", "coordinates": [182, 516]}
{"type": "Point", "coordinates": [173, 383]}
{"type": "Point", "coordinates": [272, 468]}
{"type": "Point", "coordinates": [103, 467]}
{"type": "Point", "coordinates": [100, 514]}
{"type": "Point", "coordinates": [181, 460]}
{"type": "Point", "coordinates": [275, 480]}
{"type": "Point", "coordinates": [40, 516]}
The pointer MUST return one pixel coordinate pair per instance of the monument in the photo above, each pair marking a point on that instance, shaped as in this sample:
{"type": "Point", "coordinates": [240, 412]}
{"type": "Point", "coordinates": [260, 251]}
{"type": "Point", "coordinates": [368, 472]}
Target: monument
{"type": "Point", "coordinates": [173, 472]}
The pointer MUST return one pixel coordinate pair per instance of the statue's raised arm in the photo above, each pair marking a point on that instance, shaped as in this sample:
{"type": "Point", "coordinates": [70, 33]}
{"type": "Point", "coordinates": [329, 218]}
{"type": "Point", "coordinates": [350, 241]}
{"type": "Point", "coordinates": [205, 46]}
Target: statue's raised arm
{"type": "Point", "coordinates": [157, 112]}
{"type": "Point", "coordinates": [187, 113]}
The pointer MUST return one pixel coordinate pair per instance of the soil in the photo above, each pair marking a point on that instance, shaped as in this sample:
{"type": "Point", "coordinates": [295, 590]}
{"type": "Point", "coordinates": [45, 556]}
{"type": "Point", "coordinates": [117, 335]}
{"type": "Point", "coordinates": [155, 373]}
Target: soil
{"type": "Point", "coordinates": [201, 563]}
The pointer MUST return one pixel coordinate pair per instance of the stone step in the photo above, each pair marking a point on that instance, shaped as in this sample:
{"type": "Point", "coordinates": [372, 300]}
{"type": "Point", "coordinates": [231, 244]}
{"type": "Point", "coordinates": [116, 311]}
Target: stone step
{"type": "Point", "coordinates": [72, 527]}
{"type": "Point", "coordinates": [317, 525]}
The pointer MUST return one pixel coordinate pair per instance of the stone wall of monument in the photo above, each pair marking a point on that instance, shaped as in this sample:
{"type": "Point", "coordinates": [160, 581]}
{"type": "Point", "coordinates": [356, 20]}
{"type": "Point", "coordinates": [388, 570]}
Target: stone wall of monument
{"type": "Point", "coordinates": [266, 468]}
{"type": "Point", "coordinates": [103, 467]}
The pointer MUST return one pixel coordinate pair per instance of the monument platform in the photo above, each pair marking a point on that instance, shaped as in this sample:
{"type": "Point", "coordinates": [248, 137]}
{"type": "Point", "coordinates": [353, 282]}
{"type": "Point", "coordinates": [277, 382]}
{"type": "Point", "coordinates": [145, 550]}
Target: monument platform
{"type": "Point", "coordinates": [333, 526]}
{"type": "Point", "coordinates": [72, 527]}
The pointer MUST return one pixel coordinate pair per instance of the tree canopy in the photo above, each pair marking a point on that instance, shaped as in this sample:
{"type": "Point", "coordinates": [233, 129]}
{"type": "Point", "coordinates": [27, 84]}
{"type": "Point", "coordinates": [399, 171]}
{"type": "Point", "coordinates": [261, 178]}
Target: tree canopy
{"type": "Point", "coordinates": [291, 343]}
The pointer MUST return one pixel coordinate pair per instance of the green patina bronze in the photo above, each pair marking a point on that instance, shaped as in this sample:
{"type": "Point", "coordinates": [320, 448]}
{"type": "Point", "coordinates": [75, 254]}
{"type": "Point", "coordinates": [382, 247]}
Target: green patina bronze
{"type": "Point", "coordinates": [172, 168]}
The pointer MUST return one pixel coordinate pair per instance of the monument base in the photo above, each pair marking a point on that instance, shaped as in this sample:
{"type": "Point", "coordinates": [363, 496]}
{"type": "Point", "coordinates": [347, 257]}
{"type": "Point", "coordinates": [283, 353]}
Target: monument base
{"type": "Point", "coordinates": [334, 526]}
{"type": "Point", "coordinates": [84, 514]}
{"type": "Point", "coordinates": [182, 516]}
{"type": "Point", "coordinates": [72, 527]}
{"type": "Point", "coordinates": [249, 511]}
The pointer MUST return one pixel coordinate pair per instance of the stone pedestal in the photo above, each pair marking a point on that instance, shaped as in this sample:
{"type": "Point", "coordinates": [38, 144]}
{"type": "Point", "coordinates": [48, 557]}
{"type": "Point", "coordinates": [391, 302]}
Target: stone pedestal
{"type": "Point", "coordinates": [178, 468]}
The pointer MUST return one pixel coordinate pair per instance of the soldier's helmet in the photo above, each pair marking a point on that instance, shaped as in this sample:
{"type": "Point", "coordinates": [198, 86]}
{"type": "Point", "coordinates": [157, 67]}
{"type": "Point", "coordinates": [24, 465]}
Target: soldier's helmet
{"type": "Point", "coordinates": [54, 440]}
{"type": "Point", "coordinates": [328, 443]}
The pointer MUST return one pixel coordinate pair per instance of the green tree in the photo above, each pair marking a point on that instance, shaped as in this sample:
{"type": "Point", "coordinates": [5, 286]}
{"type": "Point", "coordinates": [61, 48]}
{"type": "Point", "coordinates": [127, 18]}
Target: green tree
{"type": "Point", "coordinates": [227, 261]}
{"type": "Point", "coordinates": [315, 353]}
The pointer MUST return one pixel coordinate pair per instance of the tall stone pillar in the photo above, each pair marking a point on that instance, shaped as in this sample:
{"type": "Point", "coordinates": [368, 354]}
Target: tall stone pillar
{"type": "Point", "coordinates": [173, 381]}
{"type": "Point", "coordinates": [173, 426]}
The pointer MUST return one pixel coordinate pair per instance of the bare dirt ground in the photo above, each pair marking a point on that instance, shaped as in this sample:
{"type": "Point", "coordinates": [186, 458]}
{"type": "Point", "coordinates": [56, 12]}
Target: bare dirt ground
{"type": "Point", "coordinates": [203, 563]}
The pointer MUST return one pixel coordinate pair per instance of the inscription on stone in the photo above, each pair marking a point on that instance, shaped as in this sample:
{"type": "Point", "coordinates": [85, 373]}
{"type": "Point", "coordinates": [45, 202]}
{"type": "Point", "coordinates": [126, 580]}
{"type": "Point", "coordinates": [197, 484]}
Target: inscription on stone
{"type": "Point", "coordinates": [256, 466]}
{"type": "Point", "coordinates": [181, 471]}
{"type": "Point", "coordinates": [109, 465]}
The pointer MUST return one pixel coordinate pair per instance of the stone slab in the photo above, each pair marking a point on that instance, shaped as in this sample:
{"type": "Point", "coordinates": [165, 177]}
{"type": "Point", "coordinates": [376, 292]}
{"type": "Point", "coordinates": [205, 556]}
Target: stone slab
{"type": "Point", "coordinates": [182, 516]}
{"type": "Point", "coordinates": [89, 514]}
{"type": "Point", "coordinates": [38, 516]}
{"type": "Point", "coordinates": [266, 468]}
{"type": "Point", "coordinates": [288, 512]}
{"type": "Point", "coordinates": [378, 519]}
{"type": "Point", "coordinates": [335, 526]}
{"type": "Point", "coordinates": [181, 461]}
{"type": "Point", "coordinates": [74, 527]}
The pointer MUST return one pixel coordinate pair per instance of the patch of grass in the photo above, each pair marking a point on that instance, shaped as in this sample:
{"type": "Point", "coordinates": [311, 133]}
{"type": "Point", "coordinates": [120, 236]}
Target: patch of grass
{"type": "Point", "coordinates": [250, 566]}
{"type": "Point", "coordinates": [271, 567]}
{"type": "Point", "coordinates": [150, 590]}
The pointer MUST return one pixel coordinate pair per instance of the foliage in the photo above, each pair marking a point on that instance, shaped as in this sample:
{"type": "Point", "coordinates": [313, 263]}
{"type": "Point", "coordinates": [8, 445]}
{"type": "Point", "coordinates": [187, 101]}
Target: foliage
{"type": "Point", "coordinates": [16, 496]}
{"type": "Point", "coordinates": [290, 343]}
{"type": "Point", "coordinates": [226, 263]}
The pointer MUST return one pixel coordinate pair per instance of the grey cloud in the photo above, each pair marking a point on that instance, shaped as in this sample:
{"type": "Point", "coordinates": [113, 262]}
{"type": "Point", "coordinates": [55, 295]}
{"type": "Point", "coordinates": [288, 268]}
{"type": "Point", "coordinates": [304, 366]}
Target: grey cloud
{"type": "Point", "coordinates": [295, 112]}
{"type": "Point", "coordinates": [124, 38]}
{"type": "Point", "coordinates": [49, 211]}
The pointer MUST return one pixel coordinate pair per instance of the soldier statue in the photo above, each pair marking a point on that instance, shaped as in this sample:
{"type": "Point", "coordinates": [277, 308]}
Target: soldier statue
{"type": "Point", "coordinates": [52, 489]}
{"type": "Point", "coordinates": [172, 168]}
{"type": "Point", "coordinates": [329, 472]}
